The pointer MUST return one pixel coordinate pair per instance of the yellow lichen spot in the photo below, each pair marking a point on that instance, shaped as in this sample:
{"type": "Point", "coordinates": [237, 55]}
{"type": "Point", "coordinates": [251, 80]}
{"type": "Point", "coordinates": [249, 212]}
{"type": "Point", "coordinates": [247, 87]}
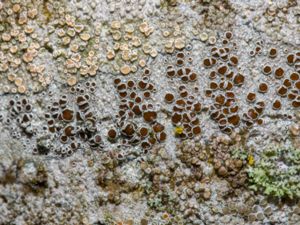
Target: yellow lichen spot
{"type": "Point", "coordinates": [178, 130]}
{"type": "Point", "coordinates": [250, 160]}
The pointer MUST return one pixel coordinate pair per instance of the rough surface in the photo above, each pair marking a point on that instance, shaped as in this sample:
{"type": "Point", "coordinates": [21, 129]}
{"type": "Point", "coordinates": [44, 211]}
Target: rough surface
{"type": "Point", "coordinates": [149, 112]}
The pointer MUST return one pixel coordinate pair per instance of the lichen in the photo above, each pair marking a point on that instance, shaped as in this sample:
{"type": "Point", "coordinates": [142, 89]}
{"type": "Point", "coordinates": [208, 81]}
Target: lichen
{"type": "Point", "coordinates": [276, 173]}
